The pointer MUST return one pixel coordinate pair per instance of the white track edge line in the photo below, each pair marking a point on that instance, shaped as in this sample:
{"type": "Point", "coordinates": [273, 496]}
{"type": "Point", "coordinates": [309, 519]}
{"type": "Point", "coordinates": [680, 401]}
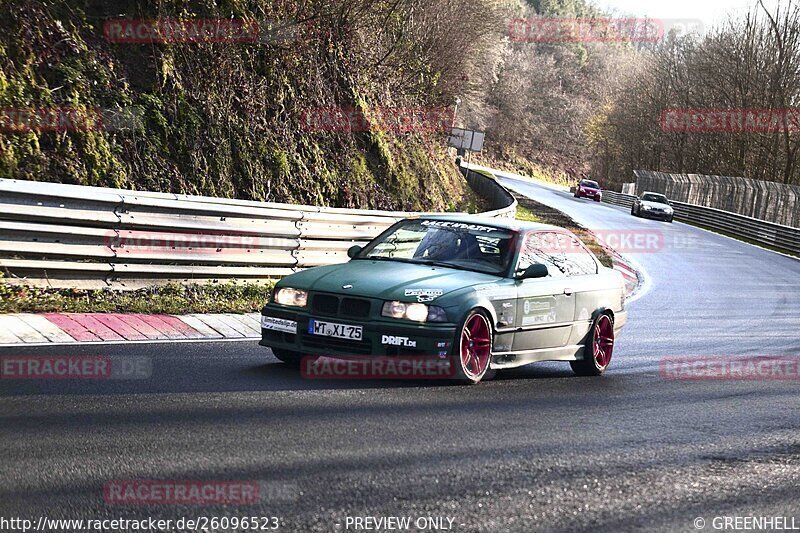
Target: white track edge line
{"type": "Point", "coordinates": [151, 341]}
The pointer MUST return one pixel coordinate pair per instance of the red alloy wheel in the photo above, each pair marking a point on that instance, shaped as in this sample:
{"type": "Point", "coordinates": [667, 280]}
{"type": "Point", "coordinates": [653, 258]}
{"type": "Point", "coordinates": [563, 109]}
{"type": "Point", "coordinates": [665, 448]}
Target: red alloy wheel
{"type": "Point", "coordinates": [603, 341]}
{"type": "Point", "coordinates": [476, 346]}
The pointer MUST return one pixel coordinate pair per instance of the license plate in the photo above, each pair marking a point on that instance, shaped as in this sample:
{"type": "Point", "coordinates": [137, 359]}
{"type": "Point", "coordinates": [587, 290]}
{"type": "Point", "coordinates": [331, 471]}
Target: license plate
{"type": "Point", "coordinates": [278, 324]}
{"type": "Point", "coordinates": [339, 331]}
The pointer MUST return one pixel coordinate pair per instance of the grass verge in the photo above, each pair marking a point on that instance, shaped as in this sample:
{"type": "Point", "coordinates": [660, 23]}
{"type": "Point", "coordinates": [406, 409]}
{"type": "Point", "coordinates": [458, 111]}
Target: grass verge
{"type": "Point", "coordinates": [532, 211]}
{"type": "Point", "coordinates": [168, 299]}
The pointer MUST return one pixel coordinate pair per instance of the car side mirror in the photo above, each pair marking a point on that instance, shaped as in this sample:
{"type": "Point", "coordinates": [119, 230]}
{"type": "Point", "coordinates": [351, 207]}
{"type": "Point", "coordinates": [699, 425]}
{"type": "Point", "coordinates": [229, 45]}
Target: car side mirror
{"type": "Point", "coordinates": [536, 271]}
{"type": "Point", "coordinates": [354, 251]}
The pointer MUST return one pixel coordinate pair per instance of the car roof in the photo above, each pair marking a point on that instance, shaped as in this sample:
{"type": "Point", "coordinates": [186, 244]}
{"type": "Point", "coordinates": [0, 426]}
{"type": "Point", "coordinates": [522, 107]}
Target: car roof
{"type": "Point", "coordinates": [656, 193]}
{"type": "Point", "coordinates": [494, 222]}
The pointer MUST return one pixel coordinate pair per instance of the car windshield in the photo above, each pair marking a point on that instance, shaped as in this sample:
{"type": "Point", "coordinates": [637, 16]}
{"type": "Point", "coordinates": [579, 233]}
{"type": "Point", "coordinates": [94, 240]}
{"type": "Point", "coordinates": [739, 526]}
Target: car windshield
{"type": "Point", "coordinates": [656, 198]}
{"type": "Point", "coordinates": [590, 184]}
{"type": "Point", "coordinates": [453, 244]}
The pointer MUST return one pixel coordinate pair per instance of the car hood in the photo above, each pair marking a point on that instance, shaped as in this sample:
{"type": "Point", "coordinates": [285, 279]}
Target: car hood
{"type": "Point", "coordinates": [655, 205]}
{"type": "Point", "coordinates": [590, 189]}
{"type": "Point", "coordinates": [386, 280]}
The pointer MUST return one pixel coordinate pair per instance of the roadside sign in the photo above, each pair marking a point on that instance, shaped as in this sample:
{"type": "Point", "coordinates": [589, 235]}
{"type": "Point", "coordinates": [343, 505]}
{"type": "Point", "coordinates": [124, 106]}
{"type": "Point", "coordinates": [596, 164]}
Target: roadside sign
{"type": "Point", "coordinates": [466, 139]}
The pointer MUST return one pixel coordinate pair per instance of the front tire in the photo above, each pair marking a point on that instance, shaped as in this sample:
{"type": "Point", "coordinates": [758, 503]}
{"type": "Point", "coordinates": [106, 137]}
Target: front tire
{"type": "Point", "coordinates": [598, 350]}
{"type": "Point", "coordinates": [633, 210]}
{"type": "Point", "coordinates": [473, 349]}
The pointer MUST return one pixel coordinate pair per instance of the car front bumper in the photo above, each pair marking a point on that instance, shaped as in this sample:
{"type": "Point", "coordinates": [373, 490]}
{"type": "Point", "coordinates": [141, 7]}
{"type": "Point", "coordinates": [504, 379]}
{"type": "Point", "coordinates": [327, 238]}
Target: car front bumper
{"type": "Point", "coordinates": [592, 195]}
{"type": "Point", "coordinates": [656, 215]}
{"type": "Point", "coordinates": [380, 337]}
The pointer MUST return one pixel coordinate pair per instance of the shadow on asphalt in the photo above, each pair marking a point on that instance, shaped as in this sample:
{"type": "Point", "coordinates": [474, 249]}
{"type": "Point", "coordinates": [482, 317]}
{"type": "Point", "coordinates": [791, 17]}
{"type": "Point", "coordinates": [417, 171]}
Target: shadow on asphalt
{"type": "Point", "coordinates": [284, 372]}
{"type": "Point", "coordinates": [202, 368]}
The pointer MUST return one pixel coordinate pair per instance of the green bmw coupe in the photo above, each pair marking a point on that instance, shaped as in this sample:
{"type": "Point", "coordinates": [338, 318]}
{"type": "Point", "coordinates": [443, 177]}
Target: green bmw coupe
{"type": "Point", "coordinates": [485, 293]}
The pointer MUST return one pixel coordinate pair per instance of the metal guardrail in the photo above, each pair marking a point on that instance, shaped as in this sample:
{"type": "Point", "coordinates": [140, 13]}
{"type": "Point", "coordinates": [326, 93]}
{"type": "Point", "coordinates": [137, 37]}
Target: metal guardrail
{"type": "Point", "coordinates": [615, 198]}
{"type": "Point", "coordinates": [778, 236]}
{"type": "Point", "coordinates": [486, 186]}
{"type": "Point", "coordinates": [74, 236]}
{"type": "Point", "coordinates": [770, 201]}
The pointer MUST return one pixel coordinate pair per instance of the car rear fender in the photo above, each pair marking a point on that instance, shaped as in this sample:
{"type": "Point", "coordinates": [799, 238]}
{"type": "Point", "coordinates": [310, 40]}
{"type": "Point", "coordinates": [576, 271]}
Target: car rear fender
{"type": "Point", "coordinates": [603, 310]}
{"type": "Point", "coordinates": [582, 333]}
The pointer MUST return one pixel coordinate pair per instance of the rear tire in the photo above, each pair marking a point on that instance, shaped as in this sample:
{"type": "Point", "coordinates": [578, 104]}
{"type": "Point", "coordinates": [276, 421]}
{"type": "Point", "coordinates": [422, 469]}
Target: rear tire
{"type": "Point", "coordinates": [472, 351]}
{"type": "Point", "coordinates": [287, 357]}
{"type": "Point", "coordinates": [598, 350]}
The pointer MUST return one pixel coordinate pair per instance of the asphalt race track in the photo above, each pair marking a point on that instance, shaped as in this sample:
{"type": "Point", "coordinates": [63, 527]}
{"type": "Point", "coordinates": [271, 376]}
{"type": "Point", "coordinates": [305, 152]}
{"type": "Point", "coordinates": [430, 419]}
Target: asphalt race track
{"type": "Point", "coordinates": [536, 450]}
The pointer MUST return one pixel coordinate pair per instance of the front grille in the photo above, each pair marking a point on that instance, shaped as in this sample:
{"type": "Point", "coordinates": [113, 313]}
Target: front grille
{"type": "Point", "coordinates": [348, 347]}
{"type": "Point", "coordinates": [331, 305]}
{"type": "Point", "coordinates": [325, 304]}
{"type": "Point", "coordinates": [355, 307]}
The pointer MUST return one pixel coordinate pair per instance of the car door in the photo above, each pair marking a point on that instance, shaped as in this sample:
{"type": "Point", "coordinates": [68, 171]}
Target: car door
{"type": "Point", "coordinates": [545, 306]}
{"type": "Point", "coordinates": [581, 271]}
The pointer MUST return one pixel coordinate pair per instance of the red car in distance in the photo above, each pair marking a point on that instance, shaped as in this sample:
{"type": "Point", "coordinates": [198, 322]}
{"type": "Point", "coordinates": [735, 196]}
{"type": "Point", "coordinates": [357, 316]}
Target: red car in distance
{"type": "Point", "coordinates": [589, 189]}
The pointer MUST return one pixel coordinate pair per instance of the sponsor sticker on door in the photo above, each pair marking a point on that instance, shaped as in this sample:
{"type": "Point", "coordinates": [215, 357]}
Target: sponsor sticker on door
{"type": "Point", "coordinates": [538, 311]}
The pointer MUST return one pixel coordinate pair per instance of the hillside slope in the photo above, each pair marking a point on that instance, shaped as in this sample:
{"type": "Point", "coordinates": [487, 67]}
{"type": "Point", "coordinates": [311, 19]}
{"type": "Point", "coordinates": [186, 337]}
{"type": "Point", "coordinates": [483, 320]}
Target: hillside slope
{"type": "Point", "coordinates": [227, 119]}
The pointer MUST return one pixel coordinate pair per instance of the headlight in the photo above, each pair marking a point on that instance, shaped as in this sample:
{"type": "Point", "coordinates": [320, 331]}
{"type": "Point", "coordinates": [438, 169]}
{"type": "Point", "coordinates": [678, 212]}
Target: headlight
{"type": "Point", "coordinates": [291, 297]}
{"type": "Point", "coordinates": [646, 207]}
{"type": "Point", "coordinates": [414, 312]}
{"type": "Point", "coordinates": [669, 210]}
{"type": "Point", "coordinates": [436, 314]}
